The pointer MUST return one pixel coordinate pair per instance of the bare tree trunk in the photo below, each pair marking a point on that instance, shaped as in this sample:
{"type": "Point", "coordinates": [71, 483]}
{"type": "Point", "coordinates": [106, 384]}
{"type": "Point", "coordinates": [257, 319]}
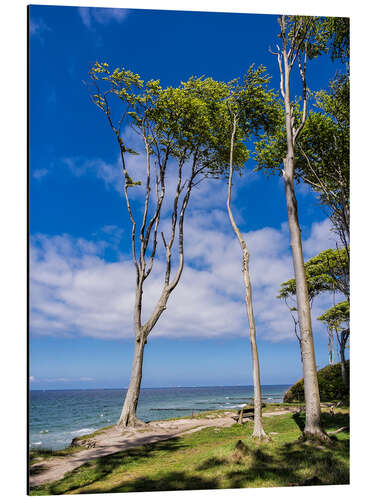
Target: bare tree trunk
{"type": "Point", "coordinates": [312, 398]}
{"type": "Point", "coordinates": [342, 344]}
{"type": "Point", "coordinates": [343, 369]}
{"type": "Point", "coordinates": [258, 432]}
{"type": "Point", "coordinates": [128, 414]}
{"type": "Point", "coordinates": [331, 348]}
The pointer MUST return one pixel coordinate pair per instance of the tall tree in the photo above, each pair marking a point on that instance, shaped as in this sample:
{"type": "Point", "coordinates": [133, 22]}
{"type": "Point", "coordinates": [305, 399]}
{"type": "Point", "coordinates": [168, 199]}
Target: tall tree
{"type": "Point", "coordinates": [337, 320]}
{"type": "Point", "coordinates": [252, 107]}
{"type": "Point", "coordinates": [179, 130]}
{"type": "Point", "coordinates": [298, 42]}
{"type": "Point", "coordinates": [322, 152]}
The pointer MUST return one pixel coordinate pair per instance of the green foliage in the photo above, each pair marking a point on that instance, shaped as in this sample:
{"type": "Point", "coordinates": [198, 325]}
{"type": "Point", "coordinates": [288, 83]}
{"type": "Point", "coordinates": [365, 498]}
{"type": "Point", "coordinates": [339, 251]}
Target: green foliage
{"type": "Point", "coordinates": [191, 121]}
{"type": "Point", "coordinates": [331, 385]}
{"type": "Point", "coordinates": [305, 33]}
{"type": "Point", "coordinates": [336, 316]}
{"type": "Point", "coordinates": [209, 459]}
{"type": "Point", "coordinates": [324, 142]}
{"type": "Point", "coordinates": [187, 122]}
{"type": "Point", "coordinates": [337, 36]}
{"type": "Point", "coordinates": [321, 156]}
{"type": "Point", "coordinates": [327, 271]}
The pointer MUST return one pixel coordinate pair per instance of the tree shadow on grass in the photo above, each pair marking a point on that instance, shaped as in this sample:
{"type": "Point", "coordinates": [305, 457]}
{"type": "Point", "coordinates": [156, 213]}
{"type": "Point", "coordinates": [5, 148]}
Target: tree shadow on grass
{"type": "Point", "coordinates": [328, 421]}
{"type": "Point", "coordinates": [100, 468]}
{"type": "Point", "coordinates": [173, 481]}
{"type": "Point", "coordinates": [290, 464]}
{"type": "Point", "coordinates": [212, 462]}
{"type": "Point", "coordinates": [35, 469]}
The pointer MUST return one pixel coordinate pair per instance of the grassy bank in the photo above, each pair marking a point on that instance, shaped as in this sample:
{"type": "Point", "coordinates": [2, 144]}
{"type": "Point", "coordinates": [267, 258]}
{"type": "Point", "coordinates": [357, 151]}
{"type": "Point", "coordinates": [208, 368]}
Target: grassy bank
{"type": "Point", "coordinates": [209, 459]}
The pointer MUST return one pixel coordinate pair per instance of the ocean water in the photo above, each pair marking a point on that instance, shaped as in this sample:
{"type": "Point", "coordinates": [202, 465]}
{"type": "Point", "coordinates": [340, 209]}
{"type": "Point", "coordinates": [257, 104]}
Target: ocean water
{"type": "Point", "coordinates": [56, 417]}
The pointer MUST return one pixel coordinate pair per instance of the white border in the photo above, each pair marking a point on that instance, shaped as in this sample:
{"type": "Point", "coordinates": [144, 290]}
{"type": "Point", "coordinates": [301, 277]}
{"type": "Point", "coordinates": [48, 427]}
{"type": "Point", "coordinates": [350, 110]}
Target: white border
{"type": "Point", "coordinates": [13, 244]}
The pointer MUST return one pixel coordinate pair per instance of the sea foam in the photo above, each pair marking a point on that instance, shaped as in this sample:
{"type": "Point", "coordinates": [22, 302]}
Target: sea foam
{"type": "Point", "coordinates": [81, 432]}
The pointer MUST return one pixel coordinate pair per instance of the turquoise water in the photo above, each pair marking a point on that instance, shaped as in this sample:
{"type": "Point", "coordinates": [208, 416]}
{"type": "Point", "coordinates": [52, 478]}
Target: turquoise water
{"type": "Point", "coordinates": [56, 417]}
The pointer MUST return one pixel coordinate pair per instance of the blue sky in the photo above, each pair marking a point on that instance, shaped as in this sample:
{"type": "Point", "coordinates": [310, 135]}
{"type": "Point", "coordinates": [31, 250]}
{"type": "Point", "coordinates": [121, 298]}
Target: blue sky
{"type": "Point", "coordinates": [81, 276]}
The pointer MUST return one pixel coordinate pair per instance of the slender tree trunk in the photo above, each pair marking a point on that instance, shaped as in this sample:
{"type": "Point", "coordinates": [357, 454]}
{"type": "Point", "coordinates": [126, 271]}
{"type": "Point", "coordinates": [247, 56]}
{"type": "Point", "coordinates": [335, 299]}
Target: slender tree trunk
{"type": "Point", "coordinates": [343, 368]}
{"type": "Point", "coordinates": [331, 348]}
{"type": "Point", "coordinates": [312, 426]}
{"type": "Point", "coordinates": [128, 414]}
{"type": "Point", "coordinates": [258, 432]}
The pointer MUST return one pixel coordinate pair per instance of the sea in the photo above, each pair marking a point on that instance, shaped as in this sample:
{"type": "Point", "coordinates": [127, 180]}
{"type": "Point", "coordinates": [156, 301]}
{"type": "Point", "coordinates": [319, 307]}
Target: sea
{"type": "Point", "coordinates": [57, 416]}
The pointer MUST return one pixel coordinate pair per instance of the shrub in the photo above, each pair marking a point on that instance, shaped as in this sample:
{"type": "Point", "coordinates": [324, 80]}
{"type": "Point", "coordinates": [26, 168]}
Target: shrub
{"type": "Point", "coordinates": [331, 386]}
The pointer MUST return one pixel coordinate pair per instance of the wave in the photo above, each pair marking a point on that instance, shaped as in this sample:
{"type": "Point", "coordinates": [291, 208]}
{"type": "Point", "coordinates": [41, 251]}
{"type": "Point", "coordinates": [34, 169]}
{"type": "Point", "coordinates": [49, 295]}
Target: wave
{"type": "Point", "coordinates": [181, 409]}
{"type": "Point", "coordinates": [81, 432]}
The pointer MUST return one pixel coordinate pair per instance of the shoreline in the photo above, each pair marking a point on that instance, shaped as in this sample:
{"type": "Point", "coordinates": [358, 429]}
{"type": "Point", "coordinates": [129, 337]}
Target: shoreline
{"type": "Point", "coordinates": [87, 411]}
{"type": "Point", "coordinates": [206, 440]}
{"type": "Point", "coordinates": [109, 440]}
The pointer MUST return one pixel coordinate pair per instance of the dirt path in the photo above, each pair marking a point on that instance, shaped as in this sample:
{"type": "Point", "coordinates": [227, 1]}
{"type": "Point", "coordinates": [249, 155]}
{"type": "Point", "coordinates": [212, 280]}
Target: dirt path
{"type": "Point", "coordinates": [113, 440]}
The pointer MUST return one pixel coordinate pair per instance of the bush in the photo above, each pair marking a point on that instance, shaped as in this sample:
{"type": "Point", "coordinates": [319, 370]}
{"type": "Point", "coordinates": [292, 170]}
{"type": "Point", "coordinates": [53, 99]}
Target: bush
{"type": "Point", "coordinates": [331, 386]}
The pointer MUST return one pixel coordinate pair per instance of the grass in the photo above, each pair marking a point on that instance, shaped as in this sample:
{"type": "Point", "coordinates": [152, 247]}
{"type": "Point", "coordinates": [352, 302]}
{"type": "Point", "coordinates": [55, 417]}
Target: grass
{"type": "Point", "coordinates": [209, 459]}
{"type": "Point", "coordinates": [37, 454]}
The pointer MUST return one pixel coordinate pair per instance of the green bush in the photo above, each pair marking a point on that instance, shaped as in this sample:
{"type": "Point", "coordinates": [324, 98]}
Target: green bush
{"type": "Point", "coordinates": [331, 386]}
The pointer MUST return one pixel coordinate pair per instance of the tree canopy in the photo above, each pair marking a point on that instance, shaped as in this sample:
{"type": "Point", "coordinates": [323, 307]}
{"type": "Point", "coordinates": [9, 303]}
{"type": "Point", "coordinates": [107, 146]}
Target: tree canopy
{"type": "Point", "coordinates": [327, 271]}
{"type": "Point", "coordinates": [336, 316]}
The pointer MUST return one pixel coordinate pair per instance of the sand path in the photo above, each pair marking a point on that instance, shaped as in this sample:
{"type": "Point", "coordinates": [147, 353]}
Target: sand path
{"type": "Point", "coordinates": [113, 440]}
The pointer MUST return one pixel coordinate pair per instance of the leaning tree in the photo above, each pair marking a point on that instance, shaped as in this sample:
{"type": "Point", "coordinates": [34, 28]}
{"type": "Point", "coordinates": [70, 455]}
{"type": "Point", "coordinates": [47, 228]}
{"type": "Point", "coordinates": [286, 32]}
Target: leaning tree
{"type": "Point", "coordinates": [181, 138]}
{"type": "Point", "coordinates": [326, 272]}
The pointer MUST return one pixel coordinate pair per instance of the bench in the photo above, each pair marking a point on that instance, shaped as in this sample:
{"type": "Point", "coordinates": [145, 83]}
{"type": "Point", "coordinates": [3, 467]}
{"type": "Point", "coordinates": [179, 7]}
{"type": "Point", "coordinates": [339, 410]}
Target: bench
{"type": "Point", "coordinates": [245, 413]}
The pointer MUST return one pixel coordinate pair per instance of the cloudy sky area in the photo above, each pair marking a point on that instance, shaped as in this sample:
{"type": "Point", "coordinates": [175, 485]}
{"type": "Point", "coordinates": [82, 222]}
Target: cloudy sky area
{"type": "Point", "coordinates": [81, 273]}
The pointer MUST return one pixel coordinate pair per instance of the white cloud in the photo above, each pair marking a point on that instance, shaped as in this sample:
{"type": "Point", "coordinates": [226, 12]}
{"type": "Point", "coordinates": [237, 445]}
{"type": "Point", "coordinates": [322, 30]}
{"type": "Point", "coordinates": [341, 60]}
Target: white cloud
{"type": "Point", "coordinates": [92, 15]}
{"type": "Point", "coordinates": [37, 28]}
{"type": "Point", "coordinates": [109, 173]}
{"type": "Point", "coordinates": [32, 378]}
{"type": "Point", "coordinates": [321, 237]}
{"type": "Point", "coordinates": [76, 292]}
{"type": "Point", "coordinates": [40, 173]}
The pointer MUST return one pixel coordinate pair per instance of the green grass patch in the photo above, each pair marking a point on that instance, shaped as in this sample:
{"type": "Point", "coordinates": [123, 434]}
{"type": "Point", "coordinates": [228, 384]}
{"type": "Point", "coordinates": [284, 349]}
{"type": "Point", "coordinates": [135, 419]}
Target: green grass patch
{"type": "Point", "coordinates": [208, 459]}
{"type": "Point", "coordinates": [41, 454]}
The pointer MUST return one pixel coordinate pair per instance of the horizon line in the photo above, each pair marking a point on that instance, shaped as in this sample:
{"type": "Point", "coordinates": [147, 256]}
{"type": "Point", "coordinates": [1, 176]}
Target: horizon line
{"type": "Point", "coordinates": [161, 387]}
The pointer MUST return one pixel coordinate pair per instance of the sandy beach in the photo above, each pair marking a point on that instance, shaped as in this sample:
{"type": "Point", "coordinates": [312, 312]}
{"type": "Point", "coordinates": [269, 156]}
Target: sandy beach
{"type": "Point", "coordinates": [114, 440]}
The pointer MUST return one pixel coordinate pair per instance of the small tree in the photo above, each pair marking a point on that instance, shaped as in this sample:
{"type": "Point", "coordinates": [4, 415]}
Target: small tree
{"type": "Point", "coordinates": [337, 320]}
{"type": "Point", "coordinates": [179, 130]}
{"type": "Point", "coordinates": [326, 272]}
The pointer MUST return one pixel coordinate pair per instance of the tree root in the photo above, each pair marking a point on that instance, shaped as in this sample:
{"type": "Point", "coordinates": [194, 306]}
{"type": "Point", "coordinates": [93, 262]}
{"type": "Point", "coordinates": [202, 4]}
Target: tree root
{"type": "Point", "coordinates": [130, 422]}
{"type": "Point", "coordinates": [337, 431]}
{"type": "Point", "coordinates": [260, 436]}
{"type": "Point", "coordinates": [317, 436]}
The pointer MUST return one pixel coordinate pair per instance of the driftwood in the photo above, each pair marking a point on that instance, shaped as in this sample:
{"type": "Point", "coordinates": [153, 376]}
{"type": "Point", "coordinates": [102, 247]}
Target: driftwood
{"type": "Point", "coordinates": [338, 430]}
